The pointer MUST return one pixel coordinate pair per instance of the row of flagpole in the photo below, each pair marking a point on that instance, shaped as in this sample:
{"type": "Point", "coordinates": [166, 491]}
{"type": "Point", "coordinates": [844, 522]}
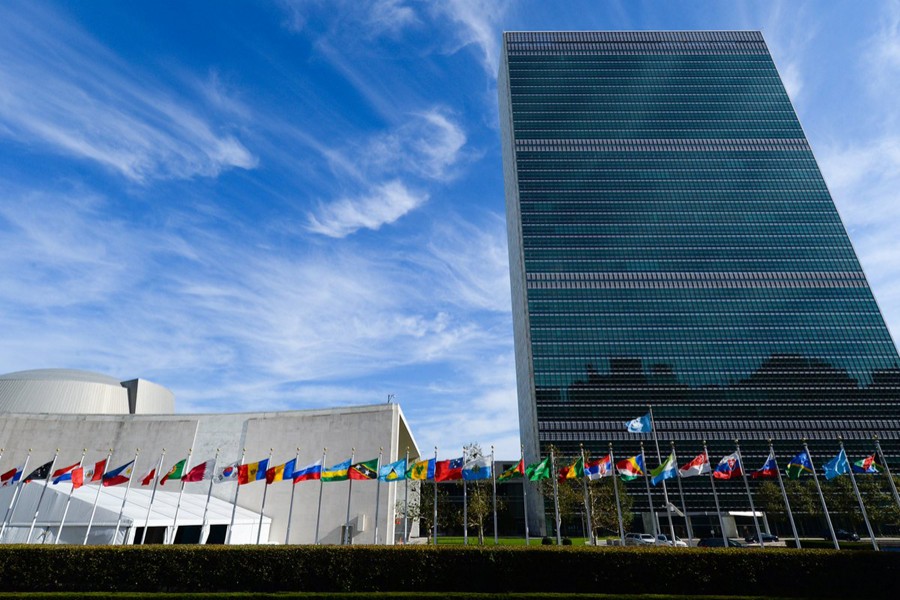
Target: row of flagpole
{"type": "Point", "coordinates": [666, 470]}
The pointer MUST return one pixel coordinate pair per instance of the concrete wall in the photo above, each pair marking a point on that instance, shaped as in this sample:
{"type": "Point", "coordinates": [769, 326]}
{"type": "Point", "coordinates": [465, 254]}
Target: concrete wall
{"type": "Point", "coordinates": [367, 429]}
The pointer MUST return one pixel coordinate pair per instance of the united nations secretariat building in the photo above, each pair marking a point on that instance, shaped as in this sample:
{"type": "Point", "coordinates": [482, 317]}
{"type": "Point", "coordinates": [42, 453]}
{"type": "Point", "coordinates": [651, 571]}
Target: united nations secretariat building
{"type": "Point", "coordinates": [77, 412]}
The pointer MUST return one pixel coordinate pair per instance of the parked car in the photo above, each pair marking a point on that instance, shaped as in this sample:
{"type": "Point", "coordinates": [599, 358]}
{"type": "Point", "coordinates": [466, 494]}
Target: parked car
{"type": "Point", "coordinates": [639, 539]}
{"type": "Point", "coordinates": [842, 535]}
{"type": "Point", "coordinates": [718, 543]}
{"type": "Point", "coordinates": [663, 540]}
{"type": "Point", "coordinates": [767, 538]}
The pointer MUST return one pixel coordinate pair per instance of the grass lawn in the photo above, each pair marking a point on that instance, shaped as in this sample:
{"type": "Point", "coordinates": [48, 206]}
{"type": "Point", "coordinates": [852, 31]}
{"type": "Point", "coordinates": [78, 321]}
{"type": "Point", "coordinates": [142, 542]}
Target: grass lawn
{"type": "Point", "coordinates": [360, 596]}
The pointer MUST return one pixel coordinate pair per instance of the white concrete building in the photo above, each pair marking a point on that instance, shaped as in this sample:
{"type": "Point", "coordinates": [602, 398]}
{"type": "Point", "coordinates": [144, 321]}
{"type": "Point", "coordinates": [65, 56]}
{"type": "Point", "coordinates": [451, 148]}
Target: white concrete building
{"type": "Point", "coordinates": [59, 409]}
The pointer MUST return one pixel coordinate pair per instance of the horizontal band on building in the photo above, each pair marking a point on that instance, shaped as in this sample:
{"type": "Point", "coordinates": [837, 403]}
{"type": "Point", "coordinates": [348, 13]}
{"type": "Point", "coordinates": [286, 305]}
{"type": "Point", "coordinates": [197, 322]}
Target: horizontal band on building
{"type": "Point", "coordinates": [659, 145]}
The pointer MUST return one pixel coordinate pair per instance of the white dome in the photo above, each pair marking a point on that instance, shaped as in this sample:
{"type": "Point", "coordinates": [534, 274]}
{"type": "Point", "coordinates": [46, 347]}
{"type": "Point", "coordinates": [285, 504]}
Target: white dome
{"type": "Point", "coordinates": [70, 391]}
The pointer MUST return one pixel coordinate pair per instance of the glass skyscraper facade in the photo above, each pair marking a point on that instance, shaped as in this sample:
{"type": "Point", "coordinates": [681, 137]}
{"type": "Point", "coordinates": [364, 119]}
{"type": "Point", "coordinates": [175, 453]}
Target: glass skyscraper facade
{"type": "Point", "coordinates": [673, 243]}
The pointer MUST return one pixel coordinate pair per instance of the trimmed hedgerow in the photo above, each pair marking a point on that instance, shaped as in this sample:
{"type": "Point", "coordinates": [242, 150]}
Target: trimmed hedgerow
{"type": "Point", "coordinates": [691, 571]}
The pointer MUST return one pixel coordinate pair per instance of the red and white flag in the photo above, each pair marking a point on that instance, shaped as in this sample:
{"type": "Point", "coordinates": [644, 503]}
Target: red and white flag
{"type": "Point", "coordinates": [201, 472]}
{"type": "Point", "coordinates": [698, 466]}
{"type": "Point", "coordinates": [82, 475]}
{"type": "Point", "coordinates": [149, 477]}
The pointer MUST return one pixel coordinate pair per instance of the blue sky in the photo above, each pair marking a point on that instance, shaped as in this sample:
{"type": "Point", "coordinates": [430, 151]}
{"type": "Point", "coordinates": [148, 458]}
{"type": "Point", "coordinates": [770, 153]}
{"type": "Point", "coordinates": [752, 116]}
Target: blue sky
{"type": "Point", "coordinates": [299, 204]}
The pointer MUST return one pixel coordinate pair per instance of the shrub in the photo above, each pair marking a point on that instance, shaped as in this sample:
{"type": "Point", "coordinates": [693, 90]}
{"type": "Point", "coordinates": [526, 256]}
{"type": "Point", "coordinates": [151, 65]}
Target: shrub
{"type": "Point", "coordinates": [610, 570]}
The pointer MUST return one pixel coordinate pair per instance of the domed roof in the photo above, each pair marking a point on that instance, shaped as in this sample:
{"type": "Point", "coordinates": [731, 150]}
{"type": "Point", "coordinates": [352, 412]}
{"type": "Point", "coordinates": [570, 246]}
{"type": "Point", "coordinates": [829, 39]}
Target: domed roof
{"type": "Point", "coordinates": [62, 375]}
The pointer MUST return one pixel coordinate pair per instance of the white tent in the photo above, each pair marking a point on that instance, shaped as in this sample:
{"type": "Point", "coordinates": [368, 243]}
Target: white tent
{"type": "Point", "coordinates": [134, 516]}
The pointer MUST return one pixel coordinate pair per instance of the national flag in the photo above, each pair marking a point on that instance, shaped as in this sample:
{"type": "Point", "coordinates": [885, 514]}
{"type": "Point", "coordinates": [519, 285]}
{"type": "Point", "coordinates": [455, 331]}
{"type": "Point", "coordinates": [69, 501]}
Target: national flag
{"type": "Point", "coordinates": [41, 473]}
{"type": "Point", "coordinates": [729, 467]}
{"type": "Point", "coordinates": [309, 472]}
{"type": "Point", "coordinates": [836, 466]}
{"type": "Point", "coordinates": [11, 477]}
{"type": "Point", "coordinates": [64, 474]}
{"type": "Point", "coordinates": [477, 468]}
{"type": "Point", "coordinates": [667, 470]}
{"type": "Point", "coordinates": [338, 472]}
{"type": "Point", "coordinates": [867, 465]}
{"type": "Point", "coordinates": [538, 470]}
{"type": "Point", "coordinates": [573, 471]}
{"type": "Point", "coordinates": [768, 470]}
{"type": "Point", "coordinates": [251, 472]}
{"type": "Point", "coordinates": [448, 470]}
{"type": "Point", "coordinates": [698, 466]}
{"type": "Point", "coordinates": [599, 469]}
{"type": "Point", "coordinates": [149, 477]}
{"type": "Point", "coordinates": [117, 476]}
{"type": "Point", "coordinates": [281, 472]}
{"type": "Point", "coordinates": [640, 425]}
{"type": "Point", "coordinates": [174, 473]}
{"type": "Point", "coordinates": [422, 470]}
{"type": "Point", "coordinates": [517, 471]}
{"type": "Point", "coordinates": [95, 474]}
{"type": "Point", "coordinates": [799, 464]}
{"type": "Point", "coordinates": [364, 470]}
{"type": "Point", "coordinates": [227, 473]}
{"type": "Point", "coordinates": [202, 472]}
{"type": "Point", "coordinates": [631, 468]}
{"type": "Point", "coordinates": [395, 471]}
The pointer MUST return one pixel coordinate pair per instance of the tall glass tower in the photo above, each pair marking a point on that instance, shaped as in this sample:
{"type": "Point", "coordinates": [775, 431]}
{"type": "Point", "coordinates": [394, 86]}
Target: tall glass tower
{"type": "Point", "coordinates": [673, 243]}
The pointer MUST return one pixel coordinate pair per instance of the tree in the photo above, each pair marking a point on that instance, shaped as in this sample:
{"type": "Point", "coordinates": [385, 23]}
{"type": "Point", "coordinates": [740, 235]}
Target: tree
{"type": "Point", "coordinates": [571, 499]}
{"type": "Point", "coordinates": [480, 496]}
{"type": "Point", "coordinates": [421, 507]}
{"type": "Point", "coordinates": [603, 505]}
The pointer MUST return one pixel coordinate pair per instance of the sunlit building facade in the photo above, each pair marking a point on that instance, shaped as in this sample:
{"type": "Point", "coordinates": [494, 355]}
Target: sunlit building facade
{"type": "Point", "coordinates": [673, 243]}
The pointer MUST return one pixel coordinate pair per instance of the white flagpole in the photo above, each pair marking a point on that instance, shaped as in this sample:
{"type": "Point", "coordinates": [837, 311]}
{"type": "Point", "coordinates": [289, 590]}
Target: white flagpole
{"type": "Point", "coordinates": [124, 499]}
{"type": "Point", "coordinates": [649, 496]}
{"type": "Point", "coordinates": [14, 499]}
{"type": "Point", "coordinates": [97, 497]}
{"type": "Point", "coordinates": [348, 537]}
{"type": "Point", "coordinates": [524, 495]}
{"type": "Point", "coordinates": [615, 476]}
{"type": "Point", "coordinates": [587, 501]}
{"type": "Point", "coordinates": [37, 509]}
{"type": "Point", "coordinates": [740, 457]}
{"type": "Point", "coordinates": [378, 490]}
{"type": "Point", "coordinates": [287, 534]}
{"type": "Point", "coordinates": [434, 527]}
{"type": "Point", "coordinates": [68, 500]}
{"type": "Point", "coordinates": [156, 476]}
{"type": "Point", "coordinates": [494, 486]}
{"type": "Point", "coordinates": [553, 475]}
{"type": "Point", "coordinates": [204, 526]}
{"type": "Point", "coordinates": [821, 498]}
{"type": "Point", "coordinates": [237, 490]}
{"type": "Point", "coordinates": [665, 488]}
{"type": "Point", "coordinates": [712, 482]}
{"type": "Point", "coordinates": [321, 485]}
{"type": "Point", "coordinates": [687, 519]}
{"type": "Point", "coordinates": [465, 504]}
{"type": "Point", "coordinates": [184, 471]}
{"type": "Point", "coordinates": [787, 503]}
{"type": "Point", "coordinates": [862, 507]}
{"type": "Point", "coordinates": [406, 500]}
{"type": "Point", "coordinates": [262, 505]}
{"type": "Point", "coordinates": [887, 471]}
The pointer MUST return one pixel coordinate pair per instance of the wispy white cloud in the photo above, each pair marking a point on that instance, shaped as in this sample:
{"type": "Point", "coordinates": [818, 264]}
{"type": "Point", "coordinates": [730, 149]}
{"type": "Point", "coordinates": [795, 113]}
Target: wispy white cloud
{"type": "Point", "coordinates": [63, 89]}
{"type": "Point", "coordinates": [426, 148]}
{"type": "Point", "coordinates": [381, 205]}
{"type": "Point", "coordinates": [477, 24]}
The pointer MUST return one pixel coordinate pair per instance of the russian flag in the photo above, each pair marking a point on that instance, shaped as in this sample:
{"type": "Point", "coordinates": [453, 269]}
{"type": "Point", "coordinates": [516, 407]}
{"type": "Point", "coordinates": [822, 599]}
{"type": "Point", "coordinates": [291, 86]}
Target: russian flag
{"type": "Point", "coordinates": [768, 470]}
{"type": "Point", "coordinates": [309, 472]}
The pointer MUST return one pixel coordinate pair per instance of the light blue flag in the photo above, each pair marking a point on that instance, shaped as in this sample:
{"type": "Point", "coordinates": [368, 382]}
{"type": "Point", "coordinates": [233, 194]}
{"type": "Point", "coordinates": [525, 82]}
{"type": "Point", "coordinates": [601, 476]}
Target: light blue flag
{"type": "Point", "coordinates": [667, 470]}
{"type": "Point", "coordinates": [640, 425]}
{"type": "Point", "coordinates": [395, 471]}
{"type": "Point", "coordinates": [836, 466]}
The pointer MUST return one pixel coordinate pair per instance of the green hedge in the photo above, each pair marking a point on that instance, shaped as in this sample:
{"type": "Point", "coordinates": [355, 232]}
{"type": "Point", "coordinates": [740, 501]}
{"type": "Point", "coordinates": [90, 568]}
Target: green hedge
{"type": "Point", "coordinates": [693, 571]}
